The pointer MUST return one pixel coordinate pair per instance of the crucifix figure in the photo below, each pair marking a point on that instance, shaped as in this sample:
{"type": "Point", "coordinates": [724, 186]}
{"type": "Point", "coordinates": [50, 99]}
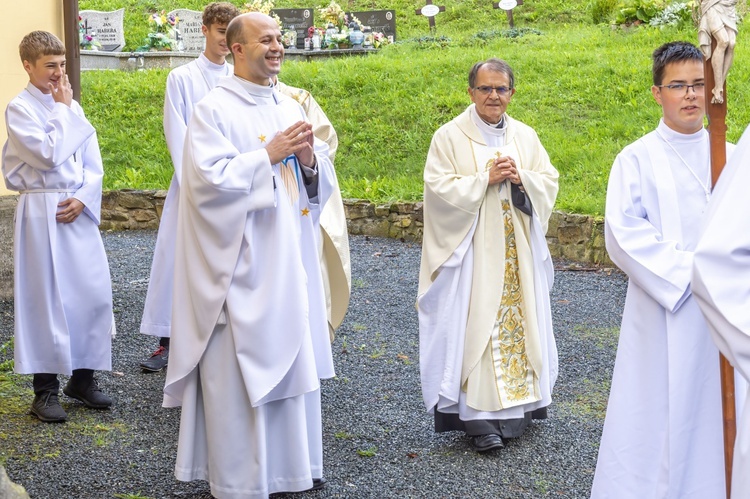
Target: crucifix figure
{"type": "Point", "coordinates": [508, 6]}
{"type": "Point", "coordinates": [719, 23]}
{"type": "Point", "coordinates": [430, 11]}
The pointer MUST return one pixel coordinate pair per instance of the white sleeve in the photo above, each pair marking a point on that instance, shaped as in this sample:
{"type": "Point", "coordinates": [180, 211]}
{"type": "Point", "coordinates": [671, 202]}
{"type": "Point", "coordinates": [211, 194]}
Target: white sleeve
{"type": "Point", "coordinates": [721, 278]}
{"type": "Point", "coordinates": [636, 246]}
{"type": "Point", "coordinates": [175, 120]}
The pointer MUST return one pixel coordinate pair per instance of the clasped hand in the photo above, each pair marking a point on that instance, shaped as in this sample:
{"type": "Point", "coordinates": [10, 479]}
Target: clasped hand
{"type": "Point", "coordinates": [69, 210]}
{"type": "Point", "coordinates": [504, 168]}
{"type": "Point", "coordinates": [297, 139]}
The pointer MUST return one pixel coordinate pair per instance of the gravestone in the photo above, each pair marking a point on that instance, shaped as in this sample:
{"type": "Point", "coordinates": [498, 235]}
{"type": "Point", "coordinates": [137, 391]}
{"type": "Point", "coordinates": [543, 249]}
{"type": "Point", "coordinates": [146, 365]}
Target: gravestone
{"type": "Point", "coordinates": [105, 27]}
{"type": "Point", "coordinates": [300, 19]}
{"type": "Point", "coordinates": [189, 32]}
{"type": "Point", "coordinates": [383, 21]}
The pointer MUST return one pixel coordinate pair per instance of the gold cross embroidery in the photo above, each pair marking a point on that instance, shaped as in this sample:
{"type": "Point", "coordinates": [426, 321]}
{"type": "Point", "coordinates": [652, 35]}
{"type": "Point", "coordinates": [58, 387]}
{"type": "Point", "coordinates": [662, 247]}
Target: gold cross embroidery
{"type": "Point", "coordinates": [491, 161]}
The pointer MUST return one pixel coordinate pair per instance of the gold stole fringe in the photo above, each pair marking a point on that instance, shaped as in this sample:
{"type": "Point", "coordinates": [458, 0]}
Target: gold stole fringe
{"type": "Point", "coordinates": [289, 176]}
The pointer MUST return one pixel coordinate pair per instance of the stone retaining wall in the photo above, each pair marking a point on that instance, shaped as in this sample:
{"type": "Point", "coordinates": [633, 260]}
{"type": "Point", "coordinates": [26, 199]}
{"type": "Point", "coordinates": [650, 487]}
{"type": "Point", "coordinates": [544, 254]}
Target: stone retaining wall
{"type": "Point", "coordinates": [575, 237]}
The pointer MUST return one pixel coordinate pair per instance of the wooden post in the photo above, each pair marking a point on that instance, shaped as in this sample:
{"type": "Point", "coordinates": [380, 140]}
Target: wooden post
{"type": "Point", "coordinates": [72, 46]}
{"type": "Point", "coordinates": [717, 132]}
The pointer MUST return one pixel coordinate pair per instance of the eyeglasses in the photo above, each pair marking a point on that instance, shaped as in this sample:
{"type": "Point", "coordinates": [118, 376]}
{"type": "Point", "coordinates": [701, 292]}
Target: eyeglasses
{"type": "Point", "coordinates": [679, 87]}
{"type": "Point", "coordinates": [484, 90]}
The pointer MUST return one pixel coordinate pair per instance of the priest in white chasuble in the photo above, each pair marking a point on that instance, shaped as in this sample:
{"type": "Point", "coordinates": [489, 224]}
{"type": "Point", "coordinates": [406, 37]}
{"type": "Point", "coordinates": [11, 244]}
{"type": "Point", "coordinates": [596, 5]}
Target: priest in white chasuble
{"type": "Point", "coordinates": [250, 338]}
{"type": "Point", "coordinates": [488, 358]}
{"type": "Point", "coordinates": [662, 434]}
{"type": "Point", "coordinates": [721, 284]}
{"type": "Point", "coordinates": [334, 251]}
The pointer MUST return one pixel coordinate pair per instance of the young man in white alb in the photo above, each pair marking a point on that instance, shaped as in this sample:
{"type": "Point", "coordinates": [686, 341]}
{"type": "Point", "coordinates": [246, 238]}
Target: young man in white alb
{"type": "Point", "coordinates": [663, 430]}
{"type": "Point", "coordinates": [186, 85]}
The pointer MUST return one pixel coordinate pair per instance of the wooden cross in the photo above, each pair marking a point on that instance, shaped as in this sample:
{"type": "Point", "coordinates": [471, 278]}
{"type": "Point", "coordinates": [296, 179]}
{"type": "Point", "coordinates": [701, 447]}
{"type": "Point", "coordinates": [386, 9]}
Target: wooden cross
{"type": "Point", "coordinates": [430, 12]}
{"type": "Point", "coordinates": [508, 11]}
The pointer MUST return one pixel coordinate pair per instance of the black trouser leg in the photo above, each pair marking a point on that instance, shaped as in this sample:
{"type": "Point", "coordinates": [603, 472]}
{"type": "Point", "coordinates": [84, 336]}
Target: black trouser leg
{"type": "Point", "coordinates": [164, 342]}
{"type": "Point", "coordinates": [82, 378]}
{"type": "Point", "coordinates": [45, 382]}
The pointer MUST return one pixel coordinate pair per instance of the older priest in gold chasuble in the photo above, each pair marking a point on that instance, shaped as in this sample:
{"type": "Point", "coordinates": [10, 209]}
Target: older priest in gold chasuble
{"type": "Point", "coordinates": [488, 358]}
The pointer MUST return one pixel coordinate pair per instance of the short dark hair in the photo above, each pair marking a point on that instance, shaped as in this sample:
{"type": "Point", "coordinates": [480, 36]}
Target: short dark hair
{"type": "Point", "coordinates": [37, 44]}
{"type": "Point", "coordinates": [670, 53]}
{"type": "Point", "coordinates": [493, 64]}
{"type": "Point", "coordinates": [219, 13]}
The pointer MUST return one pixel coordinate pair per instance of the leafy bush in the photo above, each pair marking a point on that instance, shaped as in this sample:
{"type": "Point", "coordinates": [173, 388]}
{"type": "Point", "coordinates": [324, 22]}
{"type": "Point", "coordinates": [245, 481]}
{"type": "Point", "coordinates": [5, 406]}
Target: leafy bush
{"type": "Point", "coordinates": [602, 11]}
{"type": "Point", "coordinates": [431, 42]}
{"type": "Point", "coordinates": [484, 36]}
{"type": "Point", "coordinates": [639, 11]}
{"type": "Point", "coordinates": [678, 14]}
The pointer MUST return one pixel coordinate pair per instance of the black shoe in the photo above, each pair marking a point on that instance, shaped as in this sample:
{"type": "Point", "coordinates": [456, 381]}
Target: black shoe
{"type": "Point", "coordinates": [318, 483]}
{"type": "Point", "coordinates": [486, 443]}
{"type": "Point", "coordinates": [158, 360]}
{"type": "Point", "coordinates": [91, 395]}
{"type": "Point", "coordinates": [47, 408]}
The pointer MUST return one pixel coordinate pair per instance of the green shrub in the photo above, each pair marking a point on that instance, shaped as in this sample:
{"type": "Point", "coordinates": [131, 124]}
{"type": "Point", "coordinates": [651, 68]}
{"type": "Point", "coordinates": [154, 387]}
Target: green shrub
{"type": "Point", "coordinates": [602, 11]}
{"type": "Point", "coordinates": [639, 11]}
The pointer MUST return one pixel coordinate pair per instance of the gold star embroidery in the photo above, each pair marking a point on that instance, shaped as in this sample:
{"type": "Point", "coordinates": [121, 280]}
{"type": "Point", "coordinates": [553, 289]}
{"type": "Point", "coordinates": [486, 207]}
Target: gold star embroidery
{"type": "Point", "coordinates": [262, 137]}
{"type": "Point", "coordinates": [305, 212]}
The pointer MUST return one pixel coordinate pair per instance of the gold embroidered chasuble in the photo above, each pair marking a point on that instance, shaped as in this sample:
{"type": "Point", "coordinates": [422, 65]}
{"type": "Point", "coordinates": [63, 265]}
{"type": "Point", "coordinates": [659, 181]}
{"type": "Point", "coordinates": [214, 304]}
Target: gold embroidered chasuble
{"type": "Point", "coordinates": [502, 358]}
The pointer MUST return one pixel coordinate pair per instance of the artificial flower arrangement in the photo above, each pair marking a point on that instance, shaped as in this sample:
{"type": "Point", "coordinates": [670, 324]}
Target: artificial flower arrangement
{"type": "Point", "coordinates": [289, 38]}
{"type": "Point", "coordinates": [164, 35]}
{"type": "Point", "coordinates": [379, 39]}
{"type": "Point", "coordinates": [87, 41]}
{"type": "Point", "coordinates": [334, 14]}
{"type": "Point", "coordinates": [262, 6]}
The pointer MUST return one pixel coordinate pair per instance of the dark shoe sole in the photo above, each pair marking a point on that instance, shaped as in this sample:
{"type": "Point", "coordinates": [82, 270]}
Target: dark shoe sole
{"type": "Point", "coordinates": [47, 420]}
{"type": "Point", "coordinates": [152, 369]}
{"type": "Point", "coordinates": [85, 402]}
{"type": "Point", "coordinates": [319, 483]}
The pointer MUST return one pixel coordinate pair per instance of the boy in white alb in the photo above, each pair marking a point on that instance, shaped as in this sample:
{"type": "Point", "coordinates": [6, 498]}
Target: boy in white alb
{"type": "Point", "coordinates": [186, 85]}
{"type": "Point", "coordinates": [63, 296]}
{"type": "Point", "coordinates": [663, 430]}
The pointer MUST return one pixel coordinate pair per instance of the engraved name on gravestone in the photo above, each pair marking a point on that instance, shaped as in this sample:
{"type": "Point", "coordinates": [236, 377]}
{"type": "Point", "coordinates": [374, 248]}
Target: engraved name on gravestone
{"type": "Point", "coordinates": [383, 21]}
{"type": "Point", "coordinates": [301, 19]}
{"type": "Point", "coordinates": [106, 27]}
{"type": "Point", "coordinates": [189, 30]}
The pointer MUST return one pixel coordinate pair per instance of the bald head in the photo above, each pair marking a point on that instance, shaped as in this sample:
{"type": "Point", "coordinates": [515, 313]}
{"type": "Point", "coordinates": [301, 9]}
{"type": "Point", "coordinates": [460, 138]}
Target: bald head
{"type": "Point", "coordinates": [241, 26]}
{"type": "Point", "coordinates": [255, 42]}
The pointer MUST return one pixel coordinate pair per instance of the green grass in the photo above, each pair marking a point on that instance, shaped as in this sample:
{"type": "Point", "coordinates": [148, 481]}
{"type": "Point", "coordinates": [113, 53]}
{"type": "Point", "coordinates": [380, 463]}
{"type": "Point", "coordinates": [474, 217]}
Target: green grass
{"type": "Point", "coordinates": [585, 88]}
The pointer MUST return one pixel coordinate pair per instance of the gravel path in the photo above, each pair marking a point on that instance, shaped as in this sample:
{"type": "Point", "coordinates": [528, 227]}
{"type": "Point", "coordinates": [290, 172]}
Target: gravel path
{"type": "Point", "coordinates": [378, 439]}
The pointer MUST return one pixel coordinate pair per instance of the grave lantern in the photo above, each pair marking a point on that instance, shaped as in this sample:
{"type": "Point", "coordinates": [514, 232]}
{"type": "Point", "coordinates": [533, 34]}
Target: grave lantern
{"type": "Point", "coordinates": [368, 40]}
{"type": "Point", "coordinates": [356, 37]}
